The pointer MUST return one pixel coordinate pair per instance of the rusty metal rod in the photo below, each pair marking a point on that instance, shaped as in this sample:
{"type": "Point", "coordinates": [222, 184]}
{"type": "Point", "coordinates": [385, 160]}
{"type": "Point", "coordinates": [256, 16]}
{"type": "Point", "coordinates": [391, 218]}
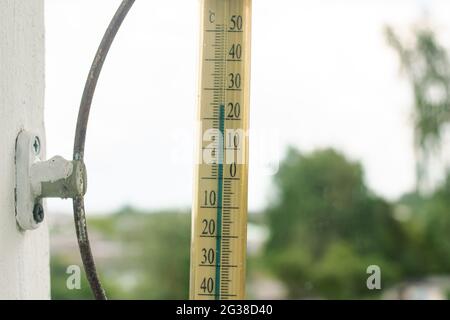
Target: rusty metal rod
{"type": "Point", "coordinates": [80, 138]}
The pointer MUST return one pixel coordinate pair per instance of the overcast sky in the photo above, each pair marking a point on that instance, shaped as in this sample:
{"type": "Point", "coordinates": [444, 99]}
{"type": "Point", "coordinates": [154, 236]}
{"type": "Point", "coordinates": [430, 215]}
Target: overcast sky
{"type": "Point", "coordinates": [322, 75]}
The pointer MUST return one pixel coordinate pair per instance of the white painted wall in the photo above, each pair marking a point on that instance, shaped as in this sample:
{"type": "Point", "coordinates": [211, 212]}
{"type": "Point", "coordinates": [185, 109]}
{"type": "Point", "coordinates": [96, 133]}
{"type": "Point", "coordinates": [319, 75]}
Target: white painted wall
{"type": "Point", "coordinates": [24, 256]}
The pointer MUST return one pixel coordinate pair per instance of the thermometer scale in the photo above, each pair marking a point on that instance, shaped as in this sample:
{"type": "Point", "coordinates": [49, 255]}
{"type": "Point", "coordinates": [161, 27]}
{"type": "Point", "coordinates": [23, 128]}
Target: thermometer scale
{"type": "Point", "coordinates": [219, 214]}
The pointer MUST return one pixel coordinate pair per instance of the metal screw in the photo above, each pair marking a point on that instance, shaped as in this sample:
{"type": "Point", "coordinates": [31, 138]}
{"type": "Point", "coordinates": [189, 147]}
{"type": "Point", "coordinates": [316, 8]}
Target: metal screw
{"type": "Point", "coordinates": [36, 145]}
{"type": "Point", "coordinates": [38, 213]}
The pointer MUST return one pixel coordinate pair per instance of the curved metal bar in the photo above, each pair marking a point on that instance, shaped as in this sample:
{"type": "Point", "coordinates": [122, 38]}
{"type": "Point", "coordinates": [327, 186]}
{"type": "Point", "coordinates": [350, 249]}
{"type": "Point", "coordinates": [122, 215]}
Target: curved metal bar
{"type": "Point", "coordinates": [80, 138]}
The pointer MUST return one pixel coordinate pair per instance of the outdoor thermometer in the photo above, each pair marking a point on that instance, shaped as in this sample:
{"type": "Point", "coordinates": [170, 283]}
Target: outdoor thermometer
{"type": "Point", "coordinates": [219, 214]}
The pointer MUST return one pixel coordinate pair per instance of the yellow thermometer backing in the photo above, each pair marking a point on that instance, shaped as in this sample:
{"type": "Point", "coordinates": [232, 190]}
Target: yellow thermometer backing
{"type": "Point", "coordinates": [219, 214]}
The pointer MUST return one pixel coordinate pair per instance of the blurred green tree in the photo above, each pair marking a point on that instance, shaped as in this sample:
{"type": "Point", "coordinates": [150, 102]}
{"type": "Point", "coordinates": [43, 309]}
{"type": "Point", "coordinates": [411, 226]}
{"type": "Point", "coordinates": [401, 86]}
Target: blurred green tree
{"type": "Point", "coordinates": [427, 67]}
{"type": "Point", "coordinates": [429, 229]}
{"type": "Point", "coordinates": [327, 227]}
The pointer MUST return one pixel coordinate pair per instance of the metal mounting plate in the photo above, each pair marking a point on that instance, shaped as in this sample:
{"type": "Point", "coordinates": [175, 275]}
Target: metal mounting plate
{"type": "Point", "coordinates": [28, 151]}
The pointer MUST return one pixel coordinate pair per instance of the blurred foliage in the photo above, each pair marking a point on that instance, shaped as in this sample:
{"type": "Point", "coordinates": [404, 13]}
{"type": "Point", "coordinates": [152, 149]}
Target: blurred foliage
{"type": "Point", "coordinates": [150, 258]}
{"type": "Point", "coordinates": [430, 225]}
{"type": "Point", "coordinates": [327, 228]}
{"type": "Point", "coordinates": [427, 67]}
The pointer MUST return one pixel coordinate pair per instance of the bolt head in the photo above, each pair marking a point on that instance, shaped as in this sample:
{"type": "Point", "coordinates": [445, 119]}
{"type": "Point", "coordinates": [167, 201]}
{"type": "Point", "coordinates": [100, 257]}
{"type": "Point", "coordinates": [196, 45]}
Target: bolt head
{"type": "Point", "coordinates": [38, 213]}
{"type": "Point", "coordinates": [36, 145]}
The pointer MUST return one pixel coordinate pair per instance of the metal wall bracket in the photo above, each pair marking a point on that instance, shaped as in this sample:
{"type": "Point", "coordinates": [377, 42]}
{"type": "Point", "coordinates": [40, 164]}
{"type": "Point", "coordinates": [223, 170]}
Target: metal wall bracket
{"type": "Point", "coordinates": [37, 179]}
